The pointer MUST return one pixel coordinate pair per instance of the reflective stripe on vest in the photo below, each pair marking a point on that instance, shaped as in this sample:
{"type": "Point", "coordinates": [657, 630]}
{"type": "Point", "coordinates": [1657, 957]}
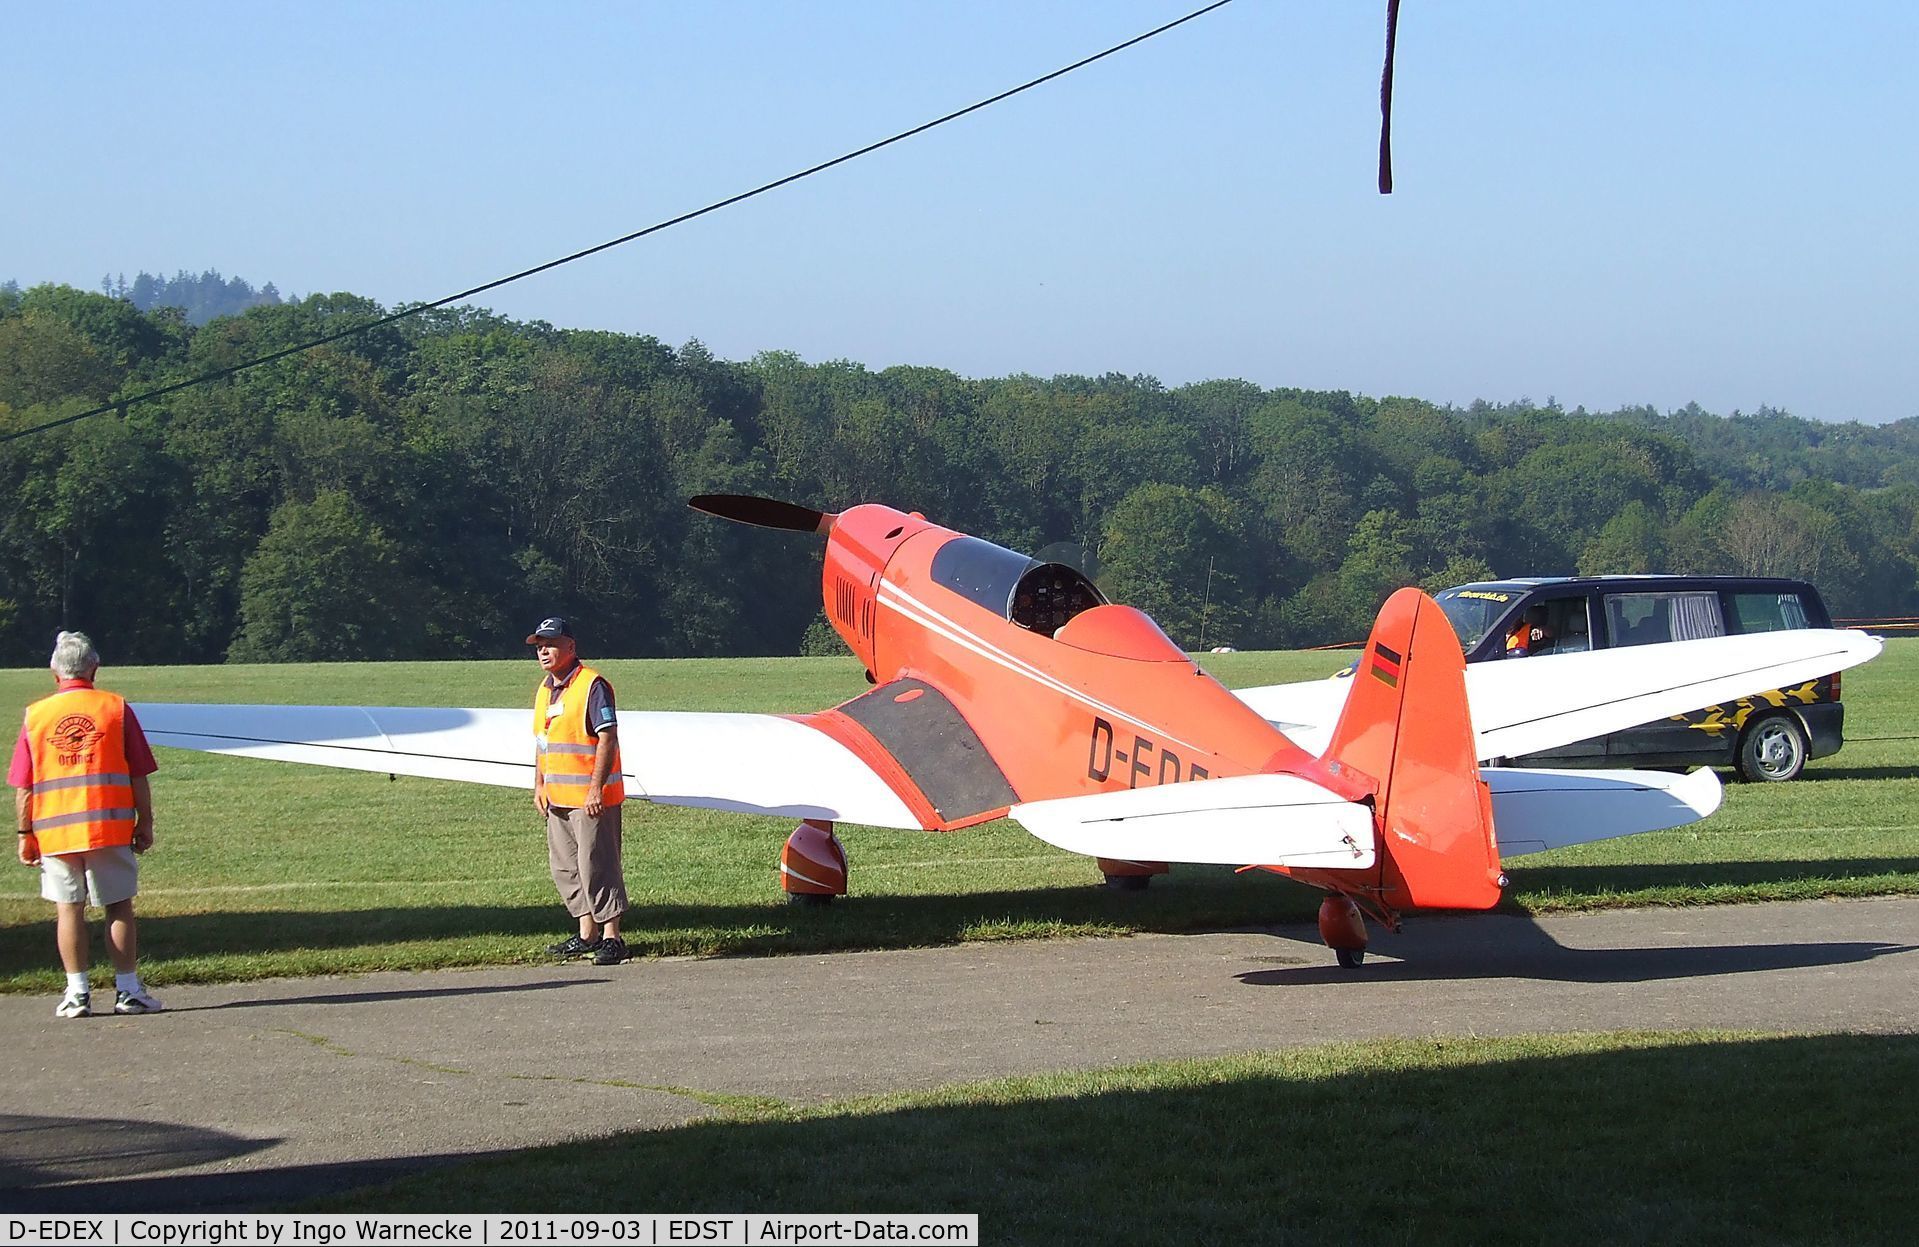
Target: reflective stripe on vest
{"type": "Point", "coordinates": [567, 749]}
{"type": "Point", "coordinates": [82, 793]}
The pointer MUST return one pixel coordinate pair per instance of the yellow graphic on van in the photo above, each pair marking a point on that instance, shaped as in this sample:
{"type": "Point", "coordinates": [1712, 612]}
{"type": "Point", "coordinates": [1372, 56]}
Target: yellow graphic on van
{"type": "Point", "coordinates": [1715, 721]}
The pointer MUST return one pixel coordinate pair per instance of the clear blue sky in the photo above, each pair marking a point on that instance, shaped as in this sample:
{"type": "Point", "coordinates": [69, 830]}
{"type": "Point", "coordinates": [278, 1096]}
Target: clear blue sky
{"type": "Point", "coordinates": [1600, 203]}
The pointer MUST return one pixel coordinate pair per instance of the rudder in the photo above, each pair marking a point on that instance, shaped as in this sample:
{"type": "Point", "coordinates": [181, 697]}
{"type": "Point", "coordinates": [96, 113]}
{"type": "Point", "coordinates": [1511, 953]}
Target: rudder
{"type": "Point", "coordinates": [1408, 728]}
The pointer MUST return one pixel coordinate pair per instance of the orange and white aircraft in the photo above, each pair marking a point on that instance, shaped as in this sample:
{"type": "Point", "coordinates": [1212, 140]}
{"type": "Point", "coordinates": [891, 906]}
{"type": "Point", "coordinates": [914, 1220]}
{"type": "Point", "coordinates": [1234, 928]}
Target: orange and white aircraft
{"type": "Point", "coordinates": [1007, 686]}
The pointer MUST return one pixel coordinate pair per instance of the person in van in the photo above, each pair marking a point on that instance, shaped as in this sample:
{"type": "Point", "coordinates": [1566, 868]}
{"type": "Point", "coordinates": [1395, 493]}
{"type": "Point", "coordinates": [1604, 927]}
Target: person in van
{"type": "Point", "coordinates": [1528, 634]}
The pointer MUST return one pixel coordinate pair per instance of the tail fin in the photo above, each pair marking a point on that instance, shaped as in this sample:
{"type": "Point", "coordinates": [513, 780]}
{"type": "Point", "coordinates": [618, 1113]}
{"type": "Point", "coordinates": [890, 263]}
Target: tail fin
{"type": "Point", "coordinates": [1408, 727]}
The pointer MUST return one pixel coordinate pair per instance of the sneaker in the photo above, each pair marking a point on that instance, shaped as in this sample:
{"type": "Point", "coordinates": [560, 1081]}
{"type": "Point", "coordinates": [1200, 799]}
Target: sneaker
{"type": "Point", "coordinates": [74, 1005]}
{"type": "Point", "coordinates": [612, 951]}
{"type": "Point", "coordinates": [573, 946]}
{"type": "Point", "coordinates": [136, 1002]}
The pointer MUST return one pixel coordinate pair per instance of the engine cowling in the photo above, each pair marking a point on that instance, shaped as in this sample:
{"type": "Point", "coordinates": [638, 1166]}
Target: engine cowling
{"type": "Point", "coordinates": [862, 541]}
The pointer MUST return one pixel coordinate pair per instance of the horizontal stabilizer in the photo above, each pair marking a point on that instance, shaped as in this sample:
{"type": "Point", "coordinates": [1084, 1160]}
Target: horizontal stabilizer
{"type": "Point", "coordinates": [746, 763]}
{"type": "Point", "coordinates": [1243, 820]}
{"type": "Point", "coordinates": [1538, 810]}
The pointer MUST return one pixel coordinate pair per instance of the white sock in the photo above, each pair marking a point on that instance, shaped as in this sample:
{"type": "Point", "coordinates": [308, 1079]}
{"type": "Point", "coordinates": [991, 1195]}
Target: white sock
{"type": "Point", "coordinates": [128, 982]}
{"type": "Point", "coordinates": [77, 983]}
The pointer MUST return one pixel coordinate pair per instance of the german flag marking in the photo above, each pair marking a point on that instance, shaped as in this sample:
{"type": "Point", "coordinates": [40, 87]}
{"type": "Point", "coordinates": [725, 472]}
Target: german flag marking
{"type": "Point", "coordinates": [1386, 665]}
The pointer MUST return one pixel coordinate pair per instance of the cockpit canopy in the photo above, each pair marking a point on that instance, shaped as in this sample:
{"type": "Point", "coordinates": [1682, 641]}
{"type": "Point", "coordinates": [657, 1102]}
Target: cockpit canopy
{"type": "Point", "coordinates": [1038, 596]}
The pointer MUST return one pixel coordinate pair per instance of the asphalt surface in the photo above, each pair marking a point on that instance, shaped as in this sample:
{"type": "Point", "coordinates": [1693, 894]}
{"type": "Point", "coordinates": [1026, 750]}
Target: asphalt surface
{"type": "Point", "coordinates": [255, 1094]}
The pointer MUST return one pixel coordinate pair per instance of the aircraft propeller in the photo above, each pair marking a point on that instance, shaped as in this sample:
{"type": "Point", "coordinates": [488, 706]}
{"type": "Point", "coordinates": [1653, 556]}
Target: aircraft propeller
{"type": "Point", "coordinates": [764, 512]}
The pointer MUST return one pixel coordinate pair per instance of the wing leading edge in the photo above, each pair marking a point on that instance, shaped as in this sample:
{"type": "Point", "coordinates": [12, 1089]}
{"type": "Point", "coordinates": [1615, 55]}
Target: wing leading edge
{"type": "Point", "coordinates": [745, 763]}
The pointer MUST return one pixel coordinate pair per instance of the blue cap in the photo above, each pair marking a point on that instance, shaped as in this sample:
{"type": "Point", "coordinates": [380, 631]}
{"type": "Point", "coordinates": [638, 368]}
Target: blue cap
{"type": "Point", "coordinates": [549, 629]}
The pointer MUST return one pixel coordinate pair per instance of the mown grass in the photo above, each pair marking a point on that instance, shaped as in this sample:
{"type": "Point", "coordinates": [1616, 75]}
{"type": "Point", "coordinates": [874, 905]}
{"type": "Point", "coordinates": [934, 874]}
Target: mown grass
{"type": "Point", "coordinates": [1704, 1137]}
{"type": "Point", "coordinates": [265, 869]}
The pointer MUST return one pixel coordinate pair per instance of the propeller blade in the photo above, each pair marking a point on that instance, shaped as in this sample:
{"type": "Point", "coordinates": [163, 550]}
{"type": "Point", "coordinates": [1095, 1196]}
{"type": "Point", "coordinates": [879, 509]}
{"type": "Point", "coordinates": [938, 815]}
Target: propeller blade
{"type": "Point", "coordinates": [765, 512]}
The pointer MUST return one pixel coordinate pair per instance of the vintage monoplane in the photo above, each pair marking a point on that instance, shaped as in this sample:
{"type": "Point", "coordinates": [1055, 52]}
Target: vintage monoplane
{"type": "Point", "coordinates": [1008, 686]}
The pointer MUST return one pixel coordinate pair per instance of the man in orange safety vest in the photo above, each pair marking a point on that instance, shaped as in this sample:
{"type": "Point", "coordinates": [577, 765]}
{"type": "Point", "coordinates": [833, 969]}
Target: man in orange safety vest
{"type": "Point", "coordinates": [84, 809]}
{"type": "Point", "coordinates": [579, 786]}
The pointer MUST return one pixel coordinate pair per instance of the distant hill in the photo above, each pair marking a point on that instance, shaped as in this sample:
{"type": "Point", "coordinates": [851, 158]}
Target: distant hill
{"type": "Point", "coordinates": [203, 297]}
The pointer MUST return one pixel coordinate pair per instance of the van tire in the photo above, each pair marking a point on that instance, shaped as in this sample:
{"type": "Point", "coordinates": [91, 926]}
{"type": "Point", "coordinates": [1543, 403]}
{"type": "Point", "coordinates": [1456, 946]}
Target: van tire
{"type": "Point", "coordinates": [1772, 750]}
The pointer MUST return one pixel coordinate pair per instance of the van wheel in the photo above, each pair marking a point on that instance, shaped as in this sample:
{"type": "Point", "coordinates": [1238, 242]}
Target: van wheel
{"type": "Point", "coordinates": [1772, 750]}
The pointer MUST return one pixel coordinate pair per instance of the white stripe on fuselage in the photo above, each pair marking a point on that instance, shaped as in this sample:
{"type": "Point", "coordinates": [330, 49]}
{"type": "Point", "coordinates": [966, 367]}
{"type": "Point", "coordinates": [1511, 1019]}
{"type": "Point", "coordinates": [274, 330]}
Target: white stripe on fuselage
{"type": "Point", "coordinates": [925, 616]}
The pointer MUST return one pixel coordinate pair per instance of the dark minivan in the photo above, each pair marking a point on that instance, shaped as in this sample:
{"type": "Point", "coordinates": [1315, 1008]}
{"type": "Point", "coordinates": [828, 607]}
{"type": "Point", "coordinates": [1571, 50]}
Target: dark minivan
{"type": "Point", "coordinates": [1768, 736]}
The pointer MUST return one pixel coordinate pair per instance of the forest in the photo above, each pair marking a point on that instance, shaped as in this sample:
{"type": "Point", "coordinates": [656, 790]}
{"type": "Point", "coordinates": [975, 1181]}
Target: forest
{"type": "Point", "coordinates": [430, 488]}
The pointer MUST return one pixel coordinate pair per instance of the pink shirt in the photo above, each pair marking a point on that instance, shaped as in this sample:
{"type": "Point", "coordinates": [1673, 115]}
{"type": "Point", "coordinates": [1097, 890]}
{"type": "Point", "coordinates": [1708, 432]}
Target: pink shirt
{"type": "Point", "coordinates": [139, 753]}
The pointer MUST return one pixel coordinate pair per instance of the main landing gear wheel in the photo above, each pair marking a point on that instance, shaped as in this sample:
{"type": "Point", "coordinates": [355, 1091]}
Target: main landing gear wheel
{"type": "Point", "coordinates": [813, 864]}
{"type": "Point", "coordinates": [1343, 928]}
{"type": "Point", "coordinates": [1772, 750]}
{"type": "Point", "coordinates": [1129, 876]}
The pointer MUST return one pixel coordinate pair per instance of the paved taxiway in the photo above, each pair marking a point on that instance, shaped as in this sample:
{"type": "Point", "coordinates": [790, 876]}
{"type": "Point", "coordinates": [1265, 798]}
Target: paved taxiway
{"type": "Point", "coordinates": [250, 1094]}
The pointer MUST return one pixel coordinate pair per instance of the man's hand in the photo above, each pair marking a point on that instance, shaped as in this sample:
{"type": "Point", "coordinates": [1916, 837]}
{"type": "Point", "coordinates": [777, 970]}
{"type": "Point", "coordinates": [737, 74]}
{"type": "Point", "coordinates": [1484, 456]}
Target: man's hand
{"type": "Point", "coordinates": [595, 801]}
{"type": "Point", "coordinates": [539, 799]}
{"type": "Point", "coordinates": [142, 836]}
{"type": "Point", "coordinates": [29, 849]}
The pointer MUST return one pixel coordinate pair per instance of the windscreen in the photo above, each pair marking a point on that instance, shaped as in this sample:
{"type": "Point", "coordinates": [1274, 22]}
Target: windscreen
{"type": "Point", "coordinates": [1474, 609]}
{"type": "Point", "coordinates": [981, 572]}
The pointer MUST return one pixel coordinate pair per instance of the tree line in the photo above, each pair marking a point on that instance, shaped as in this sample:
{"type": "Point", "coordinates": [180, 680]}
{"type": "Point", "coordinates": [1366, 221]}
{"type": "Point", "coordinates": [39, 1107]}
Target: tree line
{"type": "Point", "coordinates": [202, 296]}
{"type": "Point", "coordinates": [427, 489]}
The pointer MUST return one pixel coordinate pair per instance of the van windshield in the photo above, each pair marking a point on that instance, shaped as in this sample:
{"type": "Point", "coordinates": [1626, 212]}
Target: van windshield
{"type": "Point", "coordinates": [1474, 609]}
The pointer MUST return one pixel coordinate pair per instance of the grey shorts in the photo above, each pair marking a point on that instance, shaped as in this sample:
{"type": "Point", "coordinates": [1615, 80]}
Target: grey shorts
{"type": "Point", "coordinates": [583, 852]}
{"type": "Point", "coordinates": [109, 876]}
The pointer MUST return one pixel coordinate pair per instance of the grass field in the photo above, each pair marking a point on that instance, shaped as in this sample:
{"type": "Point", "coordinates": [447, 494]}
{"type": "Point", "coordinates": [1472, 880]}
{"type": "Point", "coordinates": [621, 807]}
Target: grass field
{"type": "Point", "coordinates": [1694, 1138]}
{"type": "Point", "coordinates": [267, 869]}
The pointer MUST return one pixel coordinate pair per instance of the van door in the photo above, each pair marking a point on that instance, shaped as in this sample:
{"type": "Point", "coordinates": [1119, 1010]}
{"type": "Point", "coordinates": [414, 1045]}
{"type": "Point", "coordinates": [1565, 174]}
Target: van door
{"type": "Point", "coordinates": [1558, 625]}
{"type": "Point", "coordinates": [1652, 618]}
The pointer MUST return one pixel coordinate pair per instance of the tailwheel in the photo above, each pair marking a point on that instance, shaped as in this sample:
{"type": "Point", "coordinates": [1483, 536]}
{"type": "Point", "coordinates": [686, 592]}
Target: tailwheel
{"type": "Point", "coordinates": [1343, 928]}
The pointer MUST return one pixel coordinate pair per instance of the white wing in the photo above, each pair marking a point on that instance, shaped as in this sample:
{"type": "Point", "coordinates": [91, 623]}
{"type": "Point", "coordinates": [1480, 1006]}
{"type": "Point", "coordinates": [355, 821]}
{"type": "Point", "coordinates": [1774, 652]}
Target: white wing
{"type": "Point", "coordinates": [750, 763]}
{"type": "Point", "coordinates": [1522, 706]}
{"type": "Point", "coordinates": [1267, 820]}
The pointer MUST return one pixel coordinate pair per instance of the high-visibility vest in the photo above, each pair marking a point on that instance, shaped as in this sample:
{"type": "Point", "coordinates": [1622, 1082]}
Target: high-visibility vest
{"type": "Point", "coordinates": [82, 794]}
{"type": "Point", "coordinates": [566, 748]}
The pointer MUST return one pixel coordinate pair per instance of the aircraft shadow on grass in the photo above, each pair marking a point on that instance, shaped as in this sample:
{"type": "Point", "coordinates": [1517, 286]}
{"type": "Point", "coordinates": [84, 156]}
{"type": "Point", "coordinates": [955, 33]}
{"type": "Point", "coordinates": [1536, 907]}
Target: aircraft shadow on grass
{"type": "Point", "coordinates": [1626, 877]}
{"type": "Point", "coordinates": [1193, 899]}
{"type": "Point", "coordinates": [1859, 772]}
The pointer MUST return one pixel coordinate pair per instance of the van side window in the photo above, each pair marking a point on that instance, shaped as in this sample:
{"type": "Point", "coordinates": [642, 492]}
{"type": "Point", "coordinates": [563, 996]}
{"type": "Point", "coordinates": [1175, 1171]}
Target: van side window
{"type": "Point", "coordinates": [1558, 626]}
{"type": "Point", "coordinates": [1650, 618]}
{"type": "Point", "coordinates": [1568, 618]}
{"type": "Point", "coordinates": [1768, 612]}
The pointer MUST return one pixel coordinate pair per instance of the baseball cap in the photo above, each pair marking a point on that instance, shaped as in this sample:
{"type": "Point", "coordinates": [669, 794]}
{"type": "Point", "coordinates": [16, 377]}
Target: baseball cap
{"type": "Point", "coordinates": [548, 629]}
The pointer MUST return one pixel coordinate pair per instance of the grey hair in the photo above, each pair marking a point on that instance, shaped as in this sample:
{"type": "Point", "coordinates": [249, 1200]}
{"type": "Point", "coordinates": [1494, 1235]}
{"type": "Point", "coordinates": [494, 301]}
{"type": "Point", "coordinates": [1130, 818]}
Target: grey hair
{"type": "Point", "coordinates": [74, 656]}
